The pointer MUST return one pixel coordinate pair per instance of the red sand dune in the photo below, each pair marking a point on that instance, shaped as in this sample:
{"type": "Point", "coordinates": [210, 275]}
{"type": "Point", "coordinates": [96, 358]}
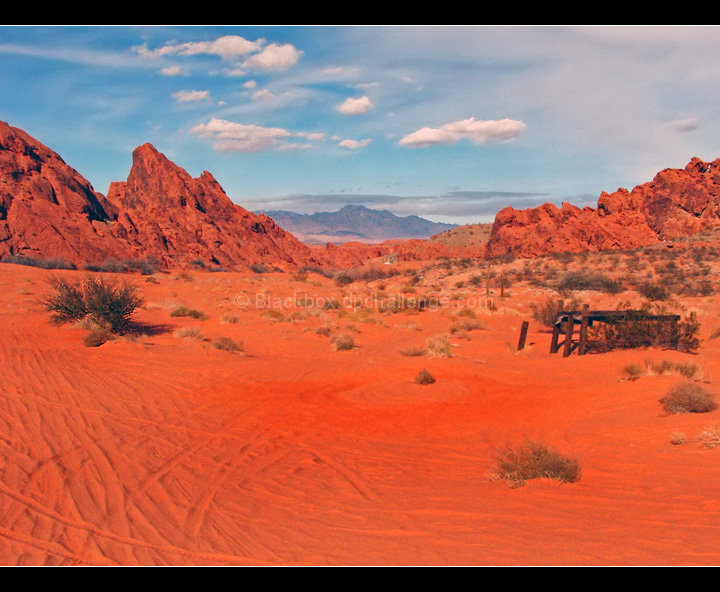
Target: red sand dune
{"type": "Point", "coordinates": [166, 451]}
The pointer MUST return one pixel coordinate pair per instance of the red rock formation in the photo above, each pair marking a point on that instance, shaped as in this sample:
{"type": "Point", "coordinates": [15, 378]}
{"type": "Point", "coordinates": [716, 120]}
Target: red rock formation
{"type": "Point", "coordinates": [47, 209]}
{"type": "Point", "coordinates": [677, 202]}
{"type": "Point", "coordinates": [165, 213]}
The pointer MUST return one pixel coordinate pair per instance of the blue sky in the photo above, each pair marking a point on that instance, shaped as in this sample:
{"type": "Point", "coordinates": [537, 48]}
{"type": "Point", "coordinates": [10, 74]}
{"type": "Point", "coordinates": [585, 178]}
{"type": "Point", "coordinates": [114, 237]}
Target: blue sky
{"type": "Point", "coordinates": [452, 123]}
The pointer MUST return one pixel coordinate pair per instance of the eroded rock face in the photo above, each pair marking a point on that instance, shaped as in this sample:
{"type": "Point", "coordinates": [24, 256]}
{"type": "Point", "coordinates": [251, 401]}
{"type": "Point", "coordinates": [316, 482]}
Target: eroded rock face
{"type": "Point", "coordinates": [47, 209]}
{"type": "Point", "coordinates": [677, 202]}
{"type": "Point", "coordinates": [165, 213]}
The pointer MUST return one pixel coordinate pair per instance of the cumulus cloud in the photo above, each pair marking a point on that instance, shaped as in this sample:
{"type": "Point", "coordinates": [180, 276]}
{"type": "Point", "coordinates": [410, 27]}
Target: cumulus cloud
{"type": "Point", "coordinates": [229, 47]}
{"type": "Point", "coordinates": [172, 71]}
{"type": "Point", "coordinates": [191, 96]}
{"type": "Point", "coordinates": [477, 132]}
{"type": "Point", "coordinates": [354, 144]}
{"type": "Point", "coordinates": [352, 106]}
{"type": "Point", "coordinates": [273, 57]}
{"type": "Point", "coordinates": [250, 84]}
{"type": "Point", "coordinates": [230, 136]}
{"type": "Point", "coordinates": [242, 53]}
{"type": "Point", "coordinates": [684, 125]}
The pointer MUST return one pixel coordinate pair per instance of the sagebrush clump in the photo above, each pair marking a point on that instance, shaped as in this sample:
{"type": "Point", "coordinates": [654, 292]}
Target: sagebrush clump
{"type": "Point", "coordinates": [108, 304]}
{"type": "Point", "coordinates": [688, 397]}
{"type": "Point", "coordinates": [535, 460]}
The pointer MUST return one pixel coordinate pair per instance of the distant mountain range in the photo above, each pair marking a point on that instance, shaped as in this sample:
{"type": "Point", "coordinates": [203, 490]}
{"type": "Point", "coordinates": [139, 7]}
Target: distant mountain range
{"type": "Point", "coordinates": [355, 223]}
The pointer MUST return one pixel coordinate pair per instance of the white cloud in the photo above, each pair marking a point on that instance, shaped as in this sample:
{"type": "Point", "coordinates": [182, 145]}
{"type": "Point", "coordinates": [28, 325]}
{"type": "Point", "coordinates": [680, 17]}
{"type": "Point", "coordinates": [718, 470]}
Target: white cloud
{"type": "Point", "coordinates": [230, 136]}
{"type": "Point", "coordinates": [477, 132]}
{"type": "Point", "coordinates": [357, 106]}
{"type": "Point", "coordinates": [263, 95]}
{"type": "Point", "coordinates": [684, 125]}
{"type": "Point", "coordinates": [250, 84]}
{"type": "Point", "coordinates": [229, 47]}
{"type": "Point", "coordinates": [273, 57]}
{"type": "Point", "coordinates": [355, 144]}
{"type": "Point", "coordinates": [191, 96]}
{"type": "Point", "coordinates": [172, 71]}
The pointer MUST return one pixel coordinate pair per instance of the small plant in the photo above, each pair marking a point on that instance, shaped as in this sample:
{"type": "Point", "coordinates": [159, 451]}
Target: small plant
{"type": "Point", "coordinates": [710, 437]}
{"type": "Point", "coordinates": [230, 319]}
{"type": "Point", "coordinates": [343, 342]}
{"type": "Point", "coordinates": [324, 331]}
{"type": "Point", "coordinates": [184, 311]}
{"type": "Point", "coordinates": [188, 333]}
{"type": "Point", "coordinates": [439, 346]}
{"type": "Point", "coordinates": [466, 324]}
{"type": "Point", "coordinates": [413, 352]}
{"type": "Point", "coordinates": [108, 304]}
{"type": "Point", "coordinates": [688, 397]}
{"type": "Point", "coordinates": [259, 268]}
{"type": "Point", "coordinates": [534, 460]}
{"type": "Point", "coordinates": [633, 371]}
{"type": "Point", "coordinates": [677, 438]}
{"type": "Point", "coordinates": [274, 315]}
{"type": "Point", "coordinates": [424, 377]}
{"type": "Point", "coordinates": [343, 279]}
{"type": "Point", "coordinates": [228, 345]}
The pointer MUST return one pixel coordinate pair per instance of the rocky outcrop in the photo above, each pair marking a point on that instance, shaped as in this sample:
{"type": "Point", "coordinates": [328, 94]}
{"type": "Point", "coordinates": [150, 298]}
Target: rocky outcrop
{"type": "Point", "coordinates": [677, 202]}
{"type": "Point", "coordinates": [47, 209]}
{"type": "Point", "coordinates": [165, 213]}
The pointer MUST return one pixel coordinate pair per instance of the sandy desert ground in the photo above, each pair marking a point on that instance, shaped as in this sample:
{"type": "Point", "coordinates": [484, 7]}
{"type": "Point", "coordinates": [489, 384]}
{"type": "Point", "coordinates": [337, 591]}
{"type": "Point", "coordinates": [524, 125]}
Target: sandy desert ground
{"type": "Point", "coordinates": [160, 449]}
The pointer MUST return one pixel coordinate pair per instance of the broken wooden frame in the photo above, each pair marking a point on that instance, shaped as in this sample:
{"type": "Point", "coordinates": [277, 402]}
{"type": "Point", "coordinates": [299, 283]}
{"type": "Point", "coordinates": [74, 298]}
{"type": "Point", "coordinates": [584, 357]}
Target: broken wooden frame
{"type": "Point", "coordinates": [566, 320]}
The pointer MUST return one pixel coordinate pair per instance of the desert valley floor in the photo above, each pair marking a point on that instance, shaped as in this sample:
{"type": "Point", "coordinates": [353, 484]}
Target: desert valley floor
{"type": "Point", "coordinates": [159, 449]}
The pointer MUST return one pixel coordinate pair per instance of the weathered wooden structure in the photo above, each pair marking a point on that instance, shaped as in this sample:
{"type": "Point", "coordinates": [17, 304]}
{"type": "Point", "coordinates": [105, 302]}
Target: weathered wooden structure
{"type": "Point", "coordinates": [566, 320]}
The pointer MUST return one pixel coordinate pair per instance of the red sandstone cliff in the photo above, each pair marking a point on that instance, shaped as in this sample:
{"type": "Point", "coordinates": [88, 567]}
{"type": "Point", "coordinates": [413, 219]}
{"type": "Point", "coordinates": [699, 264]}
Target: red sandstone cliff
{"type": "Point", "coordinates": [677, 202]}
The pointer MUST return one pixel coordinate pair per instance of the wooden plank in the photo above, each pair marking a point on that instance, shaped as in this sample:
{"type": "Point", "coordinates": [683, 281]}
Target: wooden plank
{"type": "Point", "coordinates": [556, 330]}
{"type": "Point", "coordinates": [569, 327]}
{"type": "Point", "coordinates": [523, 335]}
{"type": "Point", "coordinates": [582, 345]}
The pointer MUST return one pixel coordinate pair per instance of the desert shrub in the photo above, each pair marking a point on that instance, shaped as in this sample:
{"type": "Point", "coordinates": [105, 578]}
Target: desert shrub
{"type": "Point", "coordinates": [413, 352]}
{"type": "Point", "coordinates": [677, 438]}
{"type": "Point", "coordinates": [184, 311]}
{"type": "Point", "coordinates": [343, 342]}
{"type": "Point", "coordinates": [653, 291]}
{"type": "Point", "coordinates": [466, 312]}
{"type": "Point", "coordinates": [331, 304]}
{"type": "Point", "coordinates": [259, 268]}
{"type": "Point", "coordinates": [465, 324]}
{"type": "Point", "coordinates": [324, 331]}
{"type": "Point", "coordinates": [230, 319]}
{"type": "Point", "coordinates": [228, 345]}
{"type": "Point", "coordinates": [274, 315]}
{"type": "Point", "coordinates": [96, 338]}
{"type": "Point", "coordinates": [633, 371]}
{"type": "Point", "coordinates": [343, 279]}
{"type": "Point", "coordinates": [424, 377]}
{"type": "Point", "coordinates": [588, 280]}
{"type": "Point", "coordinates": [439, 346]}
{"type": "Point", "coordinates": [109, 304]}
{"type": "Point", "coordinates": [688, 397]}
{"type": "Point", "coordinates": [710, 437]}
{"type": "Point", "coordinates": [535, 461]}
{"type": "Point", "coordinates": [188, 333]}
{"type": "Point", "coordinates": [52, 263]}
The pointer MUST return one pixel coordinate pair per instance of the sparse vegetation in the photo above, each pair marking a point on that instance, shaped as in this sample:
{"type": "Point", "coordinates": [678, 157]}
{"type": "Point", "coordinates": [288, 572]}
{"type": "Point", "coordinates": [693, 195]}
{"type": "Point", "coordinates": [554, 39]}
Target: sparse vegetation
{"type": "Point", "coordinates": [184, 311]}
{"type": "Point", "coordinates": [97, 337]}
{"type": "Point", "coordinates": [535, 460]}
{"type": "Point", "coordinates": [710, 437]}
{"type": "Point", "coordinates": [439, 346]}
{"type": "Point", "coordinates": [343, 342]}
{"type": "Point", "coordinates": [228, 345]}
{"type": "Point", "coordinates": [677, 438]}
{"type": "Point", "coordinates": [688, 397]}
{"type": "Point", "coordinates": [188, 333]}
{"type": "Point", "coordinates": [52, 263]}
{"type": "Point", "coordinates": [413, 352]}
{"type": "Point", "coordinates": [107, 303]}
{"type": "Point", "coordinates": [424, 377]}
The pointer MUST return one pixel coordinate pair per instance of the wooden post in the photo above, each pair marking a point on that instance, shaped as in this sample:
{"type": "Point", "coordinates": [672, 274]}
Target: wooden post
{"type": "Point", "coordinates": [582, 346]}
{"type": "Point", "coordinates": [523, 335]}
{"type": "Point", "coordinates": [556, 329]}
{"type": "Point", "coordinates": [569, 327]}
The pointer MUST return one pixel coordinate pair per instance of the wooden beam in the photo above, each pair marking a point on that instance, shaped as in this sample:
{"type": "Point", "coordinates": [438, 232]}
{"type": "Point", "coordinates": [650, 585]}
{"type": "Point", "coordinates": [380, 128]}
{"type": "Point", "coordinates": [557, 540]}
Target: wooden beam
{"type": "Point", "coordinates": [556, 329]}
{"type": "Point", "coordinates": [523, 335]}
{"type": "Point", "coordinates": [569, 327]}
{"type": "Point", "coordinates": [585, 321]}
